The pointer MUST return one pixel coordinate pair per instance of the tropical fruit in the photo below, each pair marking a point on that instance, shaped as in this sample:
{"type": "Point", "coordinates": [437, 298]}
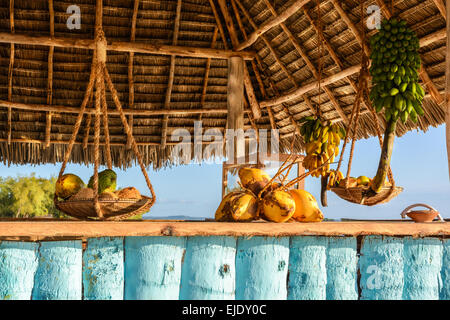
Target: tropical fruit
{"type": "Point", "coordinates": [253, 179]}
{"type": "Point", "coordinates": [83, 194]}
{"type": "Point", "coordinates": [128, 193]}
{"type": "Point", "coordinates": [306, 207]}
{"type": "Point", "coordinates": [107, 181]}
{"type": "Point", "coordinates": [68, 185]}
{"type": "Point", "coordinates": [322, 144]}
{"type": "Point", "coordinates": [237, 206]}
{"type": "Point", "coordinates": [278, 206]}
{"type": "Point", "coordinates": [108, 196]}
{"type": "Point", "coordinates": [395, 72]}
{"type": "Point", "coordinates": [363, 181]}
{"type": "Point", "coordinates": [352, 183]}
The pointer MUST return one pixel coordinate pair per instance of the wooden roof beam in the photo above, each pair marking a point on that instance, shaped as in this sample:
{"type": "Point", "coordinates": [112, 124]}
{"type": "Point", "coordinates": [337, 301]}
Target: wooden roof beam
{"type": "Point", "coordinates": [48, 128]}
{"type": "Point", "coordinates": [254, 104]}
{"type": "Point", "coordinates": [310, 65]}
{"type": "Point", "coordinates": [287, 13]}
{"type": "Point", "coordinates": [165, 120]}
{"type": "Point", "coordinates": [10, 68]}
{"type": "Point", "coordinates": [435, 95]}
{"type": "Point", "coordinates": [441, 7]}
{"type": "Point", "coordinates": [194, 52]}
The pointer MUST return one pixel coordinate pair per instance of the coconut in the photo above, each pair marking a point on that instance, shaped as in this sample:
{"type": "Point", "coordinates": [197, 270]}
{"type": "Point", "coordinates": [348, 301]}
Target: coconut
{"type": "Point", "coordinates": [253, 179]}
{"type": "Point", "coordinates": [237, 206]}
{"type": "Point", "coordinates": [83, 194]}
{"type": "Point", "coordinates": [129, 193]}
{"type": "Point", "coordinates": [306, 207]}
{"type": "Point", "coordinates": [68, 185]}
{"type": "Point", "coordinates": [278, 206]}
{"type": "Point", "coordinates": [108, 196]}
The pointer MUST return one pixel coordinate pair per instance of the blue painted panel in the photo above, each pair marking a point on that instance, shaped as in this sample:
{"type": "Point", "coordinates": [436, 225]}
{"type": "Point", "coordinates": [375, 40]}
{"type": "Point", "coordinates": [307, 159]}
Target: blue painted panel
{"type": "Point", "coordinates": [422, 268]}
{"type": "Point", "coordinates": [261, 268]}
{"type": "Point", "coordinates": [307, 268]}
{"type": "Point", "coordinates": [342, 269]}
{"type": "Point", "coordinates": [381, 268]}
{"type": "Point", "coordinates": [103, 269]}
{"type": "Point", "coordinates": [18, 264]}
{"type": "Point", "coordinates": [58, 276]}
{"type": "Point", "coordinates": [209, 268]}
{"type": "Point", "coordinates": [445, 272]}
{"type": "Point", "coordinates": [153, 267]}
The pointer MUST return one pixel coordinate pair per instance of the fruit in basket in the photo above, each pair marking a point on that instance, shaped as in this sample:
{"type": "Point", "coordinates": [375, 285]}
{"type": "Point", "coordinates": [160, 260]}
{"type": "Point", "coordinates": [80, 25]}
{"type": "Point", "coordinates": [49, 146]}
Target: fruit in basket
{"type": "Point", "coordinates": [128, 193]}
{"type": "Point", "coordinates": [278, 206]}
{"type": "Point", "coordinates": [237, 206]}
{"type": "Point", "coordinates": [306, 207]}
{"type": "Point", "coordinates": [352, 183]}
{"type": "Point", "coordinates": [253, 179]}
{"type": "Point", "coordinates": [108, 196]}
{"type": "Point", "coordinates": [396, 87]}
{"type": "Point", "coordinates": [363, 181]}
{"type": "Point", "coordinates": [68, 185]}
{"type": "Point", "coordinates": [107, 181]}
{"type": "Point", "coordinates": [83, 194]}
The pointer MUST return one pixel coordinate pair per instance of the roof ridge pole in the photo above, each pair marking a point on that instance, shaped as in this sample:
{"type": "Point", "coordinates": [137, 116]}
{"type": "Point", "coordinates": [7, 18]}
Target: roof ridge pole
{"type": "Point", "coordinates": [288, 12]}
{"type": "Point", "coordinates": [48, 128]}
{"type": "Point", "coordinates": [130, 69]}
{"type": "Point", "coordinates": [447, 86]}
{"type": "Point", "coordinates": [435, 95]}
{"type": "Point", "coordinates": [165, 120]}
{"type": "Point", "coordinates": [254, 104]}
{"type": "Point", "coordinates": [308, 62]}
{"type": "Point", "coordinates": [10, 69]}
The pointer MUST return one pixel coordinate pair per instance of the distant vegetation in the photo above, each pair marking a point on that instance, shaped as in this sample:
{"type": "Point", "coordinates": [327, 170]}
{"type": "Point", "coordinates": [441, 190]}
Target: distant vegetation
{"type": "Point", "coordinates": [27, 197]}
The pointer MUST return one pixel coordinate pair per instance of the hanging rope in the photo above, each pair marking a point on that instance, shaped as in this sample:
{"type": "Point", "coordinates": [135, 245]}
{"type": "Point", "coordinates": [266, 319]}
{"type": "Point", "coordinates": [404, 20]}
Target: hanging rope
{"type": "Point", "coordinates": [320, 71]}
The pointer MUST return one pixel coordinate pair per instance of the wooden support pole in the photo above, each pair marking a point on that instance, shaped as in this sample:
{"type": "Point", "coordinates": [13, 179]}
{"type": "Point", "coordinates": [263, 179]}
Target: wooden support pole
{"type": "Point", "coordinates": [195, 52]}
{"type": "Point", "coordinates": [165, 120]}
{"type": "Point", "coordinates": [254, 105]}
{"type": "Point", "coordinates": [11, 68]}
{"type": "Point", "coordinates": [447, 86]}
{"type": "Point", "coordinates": [48, 128]}
{"type": "Point", "coordinates": [288, 12]}
{"type": "Point", "coordinates": [130, 69]}
{"type": "Point", "coordinates": [435, 95]}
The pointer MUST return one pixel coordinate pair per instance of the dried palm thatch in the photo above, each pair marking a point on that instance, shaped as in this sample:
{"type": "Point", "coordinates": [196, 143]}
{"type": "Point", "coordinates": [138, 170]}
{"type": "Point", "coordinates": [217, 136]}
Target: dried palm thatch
{"type": "Point", "coordinates": [164, 87]}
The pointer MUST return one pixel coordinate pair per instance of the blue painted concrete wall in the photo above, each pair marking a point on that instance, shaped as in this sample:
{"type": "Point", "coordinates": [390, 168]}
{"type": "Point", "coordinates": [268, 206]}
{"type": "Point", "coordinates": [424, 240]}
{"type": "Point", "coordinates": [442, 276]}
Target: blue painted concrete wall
{"type": "Point", "coordinates": [297, 268]}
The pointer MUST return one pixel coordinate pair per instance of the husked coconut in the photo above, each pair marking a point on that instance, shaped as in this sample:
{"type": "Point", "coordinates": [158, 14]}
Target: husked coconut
{"type": "Point", "coordinates": [84, 193]}
{"type": "Point", "coordinates": [129, 193]}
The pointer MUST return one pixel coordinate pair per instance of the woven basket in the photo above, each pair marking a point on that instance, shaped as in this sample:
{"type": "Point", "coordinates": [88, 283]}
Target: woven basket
{"type": "Point", "coordinates": [112, 209]}
{"type": "Point", "coordinates": [365, 195]}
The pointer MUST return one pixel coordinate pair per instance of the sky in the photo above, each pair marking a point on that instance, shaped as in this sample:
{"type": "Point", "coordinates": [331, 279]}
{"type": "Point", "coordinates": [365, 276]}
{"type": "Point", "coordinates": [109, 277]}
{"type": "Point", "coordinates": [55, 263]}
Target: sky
{"type": "Point", "coordinates": [419, 164]}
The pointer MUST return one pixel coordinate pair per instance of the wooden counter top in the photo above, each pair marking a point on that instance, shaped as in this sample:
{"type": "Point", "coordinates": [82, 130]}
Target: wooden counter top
{"type": "Point", "coordinates": [31, 230]}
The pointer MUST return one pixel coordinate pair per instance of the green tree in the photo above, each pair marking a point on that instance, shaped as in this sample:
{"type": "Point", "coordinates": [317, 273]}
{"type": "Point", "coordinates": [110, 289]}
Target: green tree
{"type": "Point", "coordinates": [25, 197]}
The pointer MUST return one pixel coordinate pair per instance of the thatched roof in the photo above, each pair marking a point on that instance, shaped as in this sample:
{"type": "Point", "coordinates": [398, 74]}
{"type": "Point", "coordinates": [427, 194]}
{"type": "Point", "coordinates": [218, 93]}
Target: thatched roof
{"type": "Point", "coordinates": [287, 58]}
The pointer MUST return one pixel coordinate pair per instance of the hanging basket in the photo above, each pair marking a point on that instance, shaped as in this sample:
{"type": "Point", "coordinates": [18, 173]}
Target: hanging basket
{"type": "Point", "coordinates": [112, 209]}
{"type": "Point", "coordinates": [365, 195]}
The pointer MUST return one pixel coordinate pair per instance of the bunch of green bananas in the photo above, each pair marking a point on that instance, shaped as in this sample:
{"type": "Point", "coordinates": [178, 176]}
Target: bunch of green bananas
{"type": "Point", "coordinates": [322, 144]}
{"type": "Point", "coordinates": [394, 71]}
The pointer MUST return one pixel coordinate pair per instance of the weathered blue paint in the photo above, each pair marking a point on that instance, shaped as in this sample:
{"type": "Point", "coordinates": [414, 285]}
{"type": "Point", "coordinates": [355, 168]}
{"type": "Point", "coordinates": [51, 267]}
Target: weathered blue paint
{"type": "Point", "coordinates": [261, 268]}
{"type": "Point", "coordinates": [381, 268]}
{"type": "Point", "coordinates": [307, 268]}
{"type": "Point", "coordinates": [153, 267]}
{"type": "Point", "coordinates": [422, 268]}
{"type": "Point", "coordinates": [445, 272]}
{"type": "Point", "coordinates": [103, 274]}
{"type": "Point", "coordinates": [342, 269]}
{"type": "Point", "coordinates": [18, 264]}
{"type": "Point", "coordinates": [209, 268]}
{"type": "Point", "coordinates": [58, 276]}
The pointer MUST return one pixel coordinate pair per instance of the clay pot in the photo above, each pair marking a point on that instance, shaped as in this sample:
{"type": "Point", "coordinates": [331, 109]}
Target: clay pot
{"type": "Point", "coordinates": [421, 215]}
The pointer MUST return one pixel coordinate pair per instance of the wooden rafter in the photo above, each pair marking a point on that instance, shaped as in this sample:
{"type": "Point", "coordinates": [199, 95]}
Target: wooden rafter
{"type": "Point", "coordinates": [195, 52]}
{"type": "Point", "coordinates": [10, 68]}
{"type": "Point", "coordinates": [130, 69]}
{"type": "Point", "coordinates": [258, 69]}
{"type": "Point", "coordinates": [447, 86]}
{"type": "Point", "coordinates": [441, 7]}
{"type": "Point", "coordinates": [208, 68]}
{"type": "Point", "coordinates": [288, 12]}
{"type": "Point", "coordinates": [254, 105]}
{"type": "Point", "coordinates": [48, 128]}
{"type": "Point", "coordinates": [435, 95]}
{"type": "Point", "coordinates": [310, 65]}
{"type": "Point", "coordinates": [165, 120]}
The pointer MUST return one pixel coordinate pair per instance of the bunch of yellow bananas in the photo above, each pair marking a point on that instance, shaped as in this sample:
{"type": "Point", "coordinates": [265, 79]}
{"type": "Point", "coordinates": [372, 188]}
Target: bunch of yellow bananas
{"type": "Point", "coordinates": [322, 144]}
{"type": "Point", "coordinates": [334, 178]}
